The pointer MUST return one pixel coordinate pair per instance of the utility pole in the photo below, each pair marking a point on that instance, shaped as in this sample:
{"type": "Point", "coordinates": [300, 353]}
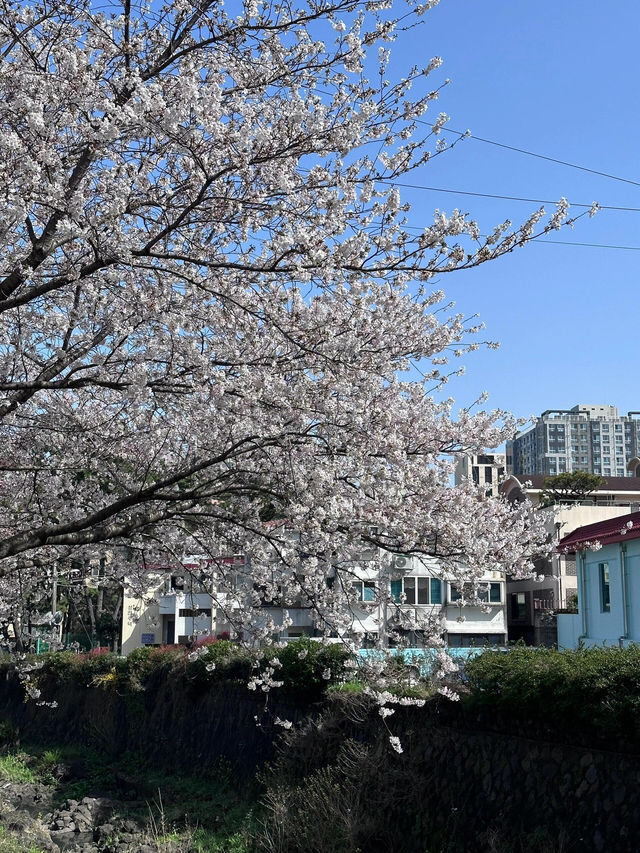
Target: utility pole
{"type": "Point", "coordinates": [55, 628]}
{"type": "Point", "coordinates": [54, 590]}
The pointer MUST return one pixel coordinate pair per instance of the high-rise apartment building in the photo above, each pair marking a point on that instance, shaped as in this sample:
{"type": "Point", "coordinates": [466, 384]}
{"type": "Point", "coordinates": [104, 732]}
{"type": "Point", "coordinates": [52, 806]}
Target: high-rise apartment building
{"type": "Point", "coordinates": [595, 439]}
{"type": "Point", "coordinates": [485, 469]}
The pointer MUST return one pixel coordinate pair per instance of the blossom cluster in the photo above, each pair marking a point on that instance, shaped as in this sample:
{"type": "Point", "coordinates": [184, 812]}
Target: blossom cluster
{"type": "Point", "coordinates": [211, 308]}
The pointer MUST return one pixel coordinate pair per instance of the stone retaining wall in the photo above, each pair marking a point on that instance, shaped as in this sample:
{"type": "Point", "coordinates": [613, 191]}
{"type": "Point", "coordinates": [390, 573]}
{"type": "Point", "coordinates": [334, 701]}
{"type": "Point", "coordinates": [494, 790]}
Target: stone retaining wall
{"type": "Point", "coordinates": [465, 780]}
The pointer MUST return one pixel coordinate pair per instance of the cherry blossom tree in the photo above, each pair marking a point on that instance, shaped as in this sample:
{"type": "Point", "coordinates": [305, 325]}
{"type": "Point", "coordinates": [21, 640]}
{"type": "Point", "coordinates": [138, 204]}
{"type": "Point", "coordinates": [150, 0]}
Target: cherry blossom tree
{"type": "Point", "coordinates": [213, 313]}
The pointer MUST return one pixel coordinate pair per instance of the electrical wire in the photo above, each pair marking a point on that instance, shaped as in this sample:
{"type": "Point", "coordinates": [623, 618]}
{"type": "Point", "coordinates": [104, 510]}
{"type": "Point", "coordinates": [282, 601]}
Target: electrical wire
{"type": "Point", "coordinates": [590, 245]}
{"type": "Point", "coordinates": [538, 240]}
{"type": "Point", "coordinates": [469, 135]}
{"type": "Point", "coordinates": [502, 197]}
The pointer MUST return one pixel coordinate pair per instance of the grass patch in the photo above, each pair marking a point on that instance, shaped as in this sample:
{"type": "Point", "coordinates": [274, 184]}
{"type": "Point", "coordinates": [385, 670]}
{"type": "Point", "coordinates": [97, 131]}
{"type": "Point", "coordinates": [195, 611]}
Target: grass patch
{"type": "Point", "coordinates": [225, 841]}
{"type": "Point", "coordinates": [183, 814]}
{"type": "Point", "coordinates": [11, 844]}
{"type": "Point", "coordinates": [14, 768]}
{"type": "Point", "coordinates": [353, 687]}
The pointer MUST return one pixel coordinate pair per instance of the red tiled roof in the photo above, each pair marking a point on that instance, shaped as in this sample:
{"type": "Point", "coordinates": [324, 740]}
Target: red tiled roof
{"type": "Point", "coordinates": [604, 532]}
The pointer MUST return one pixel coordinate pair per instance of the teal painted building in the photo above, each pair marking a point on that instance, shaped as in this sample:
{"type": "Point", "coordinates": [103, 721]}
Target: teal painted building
{"type": "Point", "coordinates": [608, 575]}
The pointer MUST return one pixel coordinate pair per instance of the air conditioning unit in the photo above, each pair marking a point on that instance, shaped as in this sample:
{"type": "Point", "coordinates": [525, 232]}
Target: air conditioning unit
{"type": "Point", "coordinates": [401, 562]}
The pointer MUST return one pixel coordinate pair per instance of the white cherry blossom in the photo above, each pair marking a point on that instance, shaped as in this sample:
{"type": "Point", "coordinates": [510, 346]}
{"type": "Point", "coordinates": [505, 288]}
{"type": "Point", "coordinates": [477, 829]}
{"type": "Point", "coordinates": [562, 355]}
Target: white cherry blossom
{"type": "Point", "coordinates": [211, 313]}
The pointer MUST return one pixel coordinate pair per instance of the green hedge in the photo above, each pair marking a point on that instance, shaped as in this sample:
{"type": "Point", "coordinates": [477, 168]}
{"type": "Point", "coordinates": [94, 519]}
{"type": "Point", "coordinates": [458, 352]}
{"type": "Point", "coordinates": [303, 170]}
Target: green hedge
{"type": "Point", "coordinates": [306, 668]}
{"type": "Point", "coordinates": [587, 695]}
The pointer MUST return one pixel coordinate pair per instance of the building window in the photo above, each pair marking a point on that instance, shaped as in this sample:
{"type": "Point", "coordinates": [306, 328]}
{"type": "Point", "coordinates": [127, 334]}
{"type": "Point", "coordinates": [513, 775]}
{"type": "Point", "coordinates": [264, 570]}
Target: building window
{"type": "Point", "coordinates": [489, 592]}
{"type": "Point", "coordinates": [416, 590]}
{"type": "Point", "coordinates": [196, 613]}
{"type": "Point", "coordinates": [605, 596]}
{"type": "Point", "coordinates": [419, 590]}
{"type": "Point", "coordinates": [492, 594]}
{"type": "Point", "coordinates": [365, 590]}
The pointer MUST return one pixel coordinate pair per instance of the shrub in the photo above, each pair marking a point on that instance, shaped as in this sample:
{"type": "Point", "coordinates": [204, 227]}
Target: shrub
{"type": "Point", "coordinates": [309, 667]}
{"type": "Point", "coordinates": [222, 660]}
{"type": "Point", "coordinates": [92, 665]}
{"type": "Point", "coordinates": [586, 694]}
{"type": "Point", "coordinates": [98, 651]}
{"type": "Point", "coordinates": [207, 641]}
{"type": "Point", "coordinates": [141, 665]}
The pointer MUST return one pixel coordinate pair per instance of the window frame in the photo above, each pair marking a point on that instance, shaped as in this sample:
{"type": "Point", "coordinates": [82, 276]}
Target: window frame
{"type": "Point", "coordinates": [604, 584]}
{"type": "Point", "coordinates": [360, 587]}
{"type": "Point", "coordinates": [429, 588]}
{"type": "Point", "coordinates": [194, 612]}
{"type": "Point", "coordinates": [455, 596]}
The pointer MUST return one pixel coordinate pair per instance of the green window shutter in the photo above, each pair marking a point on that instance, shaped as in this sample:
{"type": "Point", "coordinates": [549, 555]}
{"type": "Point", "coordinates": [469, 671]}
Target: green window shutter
{"type": "Point", "coordinates": [436, 591]}
{"type": "Point", "coordinates": [396, 590]}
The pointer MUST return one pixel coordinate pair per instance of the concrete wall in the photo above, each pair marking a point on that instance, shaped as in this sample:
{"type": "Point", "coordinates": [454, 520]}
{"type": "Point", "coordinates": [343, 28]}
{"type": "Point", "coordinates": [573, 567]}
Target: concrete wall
{"type": "Point", "coordinates": [141, 615]}
{"type": "Point", "coordinates": [569, 630]}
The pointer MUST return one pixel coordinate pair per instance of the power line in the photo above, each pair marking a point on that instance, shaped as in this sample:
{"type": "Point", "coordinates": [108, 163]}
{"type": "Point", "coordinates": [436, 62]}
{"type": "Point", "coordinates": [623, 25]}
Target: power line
{"type": "Point", "coordinates": [590, 245]}
{"type": "Point", "coordinates": [466, 134]}
{"type": "Point", "coordinates": [469, 135]}
{"type": "Point", "coordinates": [502, 197]}
{"type": "Point", "coordinates": [537, 240]}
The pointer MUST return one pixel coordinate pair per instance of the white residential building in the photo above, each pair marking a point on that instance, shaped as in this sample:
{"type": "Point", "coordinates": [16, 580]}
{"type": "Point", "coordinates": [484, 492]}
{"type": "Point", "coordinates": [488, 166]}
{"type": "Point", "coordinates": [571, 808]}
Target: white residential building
{"type": "Point", "coordinates": [406, 594]}
{"type": "Point", "coordinates": [174, 607]}
{"type": "Point", "coordinates": [484, 469]}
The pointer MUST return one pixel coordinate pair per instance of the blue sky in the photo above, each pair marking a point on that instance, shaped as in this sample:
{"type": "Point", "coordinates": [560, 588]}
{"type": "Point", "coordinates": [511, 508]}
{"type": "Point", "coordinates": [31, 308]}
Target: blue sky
{"type": "Point", "coordinates": [560, 79]}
